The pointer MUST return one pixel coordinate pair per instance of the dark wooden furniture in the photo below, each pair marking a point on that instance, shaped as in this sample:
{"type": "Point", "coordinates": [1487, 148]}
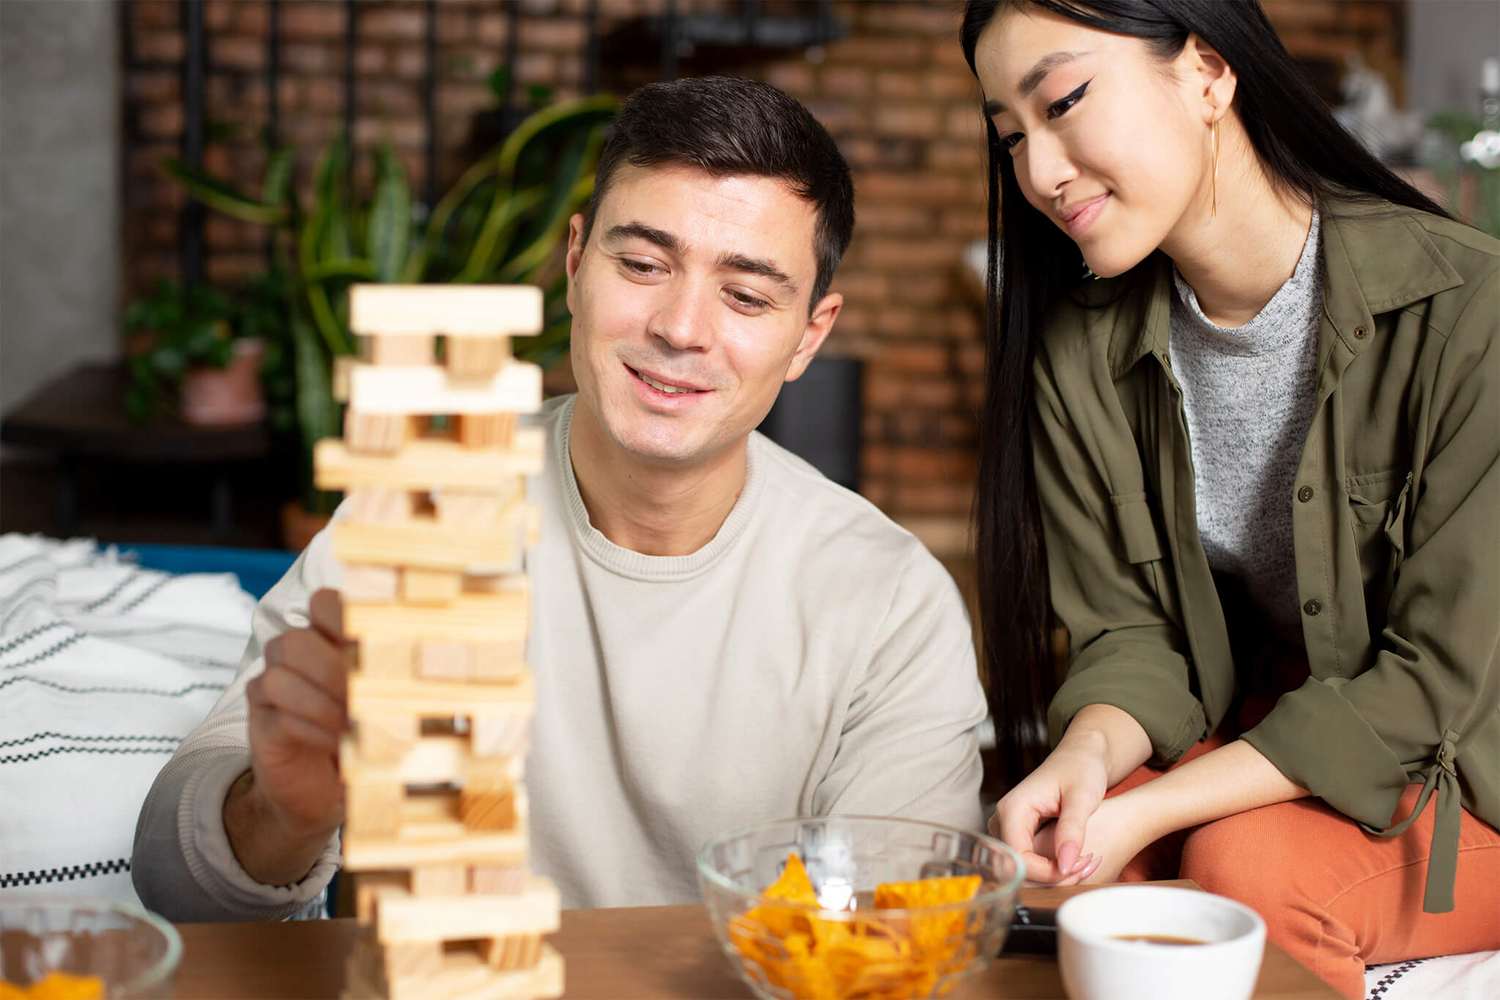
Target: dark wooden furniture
{"type": "Point", "coordinates": [80, 417]}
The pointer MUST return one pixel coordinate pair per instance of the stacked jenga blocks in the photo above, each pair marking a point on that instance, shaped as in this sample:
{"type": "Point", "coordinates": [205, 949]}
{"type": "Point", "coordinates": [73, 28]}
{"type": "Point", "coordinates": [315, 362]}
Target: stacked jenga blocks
{"type": "Point", "coordinates": [436, 605]}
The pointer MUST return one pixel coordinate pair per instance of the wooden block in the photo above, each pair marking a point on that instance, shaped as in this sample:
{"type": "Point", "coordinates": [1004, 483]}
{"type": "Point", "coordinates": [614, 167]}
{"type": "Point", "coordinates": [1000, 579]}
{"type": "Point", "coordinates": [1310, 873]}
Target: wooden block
{"type": "Point", "coordinates": [497, 880]}
{"type": "Point", "coordinates": [416, 846]}
{"type": "Point", "coordinates": [445, 659]}
{"type": "Point", "coordinates": [364, 969]}
{"type": "Point", "coordinates": [501, 617]}
{"type": "Point", "coordinates": [384, 349]}
{"type": "Point", "coordinates": [372, 806]}
{"type": "Point", "coordinates": [514, 951]}
{"type": "Point", "coordinates": [440, 880]}
{"type": "Point", "coordinates": [430, 545]}
{"type": "Point", "coordinates": [485, 805]}
{"type": "Point", "coordinates": [408, 919]}
{"type": "Point", "coordinates": [385, 656]}
{"type": "Point", "coordinates": [465, 976]}
{"type": "Point", "coordinates": [496, 735]}
{"type": "Point", "coordinates": [430, 586]}
{"type": "Point", "coordinates": [407, 389]}
{"type": "Point", "coordinates": [434, 760]}
{"type": "Point", "coordinates": [366, 582]}
{"type": "Point", "coordinates": [498, 662]}
{"type": "Point", "coordinates": [469, 509]}
{"type": "Point", "coordinates": [430, 464]}
{"type": "Point", "coordinates": [476, 357]}
{"type": "Point", "coordinates": [451, 310]}
{"type": "Point", "coordinates": [381, 505]}
{"type": "Point", "coordinates": [488, 583]}
{"type": "Point", "coordinates": [369, 885]}
{"type": "Point", "coordinates": [434, 699]}
{"type": "Point", "coordinates": [381, 433]}
{"type": "Point", "coordinates": [384, 739]}
{"type": "Point", "coordinates": [485, 430]}
{"type": "Point", "coordinates": [421, 959]}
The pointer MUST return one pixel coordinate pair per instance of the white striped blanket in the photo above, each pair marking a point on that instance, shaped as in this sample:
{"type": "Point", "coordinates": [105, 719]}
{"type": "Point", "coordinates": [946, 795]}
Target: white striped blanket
{"type": "Point", "coordinates": [104, 667]}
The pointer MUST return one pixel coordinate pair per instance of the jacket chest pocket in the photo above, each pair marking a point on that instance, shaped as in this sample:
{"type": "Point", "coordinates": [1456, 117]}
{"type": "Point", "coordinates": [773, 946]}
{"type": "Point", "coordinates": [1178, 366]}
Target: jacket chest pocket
{"type": "Point", "coordinates": [1377, 513]}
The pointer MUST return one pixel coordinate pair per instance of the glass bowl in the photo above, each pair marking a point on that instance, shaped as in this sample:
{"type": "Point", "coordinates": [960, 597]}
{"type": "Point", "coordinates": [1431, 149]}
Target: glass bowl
{"type": "Point", "coordinates": [134, 952]}
{"type": "Point", "coordinates": [916, 951]}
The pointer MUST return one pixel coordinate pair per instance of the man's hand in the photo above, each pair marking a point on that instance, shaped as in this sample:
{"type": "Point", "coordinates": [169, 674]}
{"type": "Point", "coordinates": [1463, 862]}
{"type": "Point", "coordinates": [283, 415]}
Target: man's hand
{"type": "Point", "coordinates": [281, 813]}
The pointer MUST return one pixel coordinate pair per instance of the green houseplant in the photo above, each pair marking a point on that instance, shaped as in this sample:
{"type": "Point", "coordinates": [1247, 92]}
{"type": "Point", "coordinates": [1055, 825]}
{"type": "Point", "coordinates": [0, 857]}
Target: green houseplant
{"type": "Point", "coordinates": [192, 357]}
{"type": "Point", "coordinates": [503, 221]}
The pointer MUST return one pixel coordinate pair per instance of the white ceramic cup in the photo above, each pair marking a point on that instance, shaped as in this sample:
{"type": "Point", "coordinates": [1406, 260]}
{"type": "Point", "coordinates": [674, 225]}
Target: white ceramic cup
{"type": "Point", "coordinates": [1097, 965]}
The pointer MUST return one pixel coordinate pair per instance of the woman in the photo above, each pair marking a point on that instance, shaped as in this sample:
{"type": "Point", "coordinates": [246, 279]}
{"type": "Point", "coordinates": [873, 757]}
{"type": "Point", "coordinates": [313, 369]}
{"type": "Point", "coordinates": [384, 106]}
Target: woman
{"type": "Point", "coordinates": [1255, 465]}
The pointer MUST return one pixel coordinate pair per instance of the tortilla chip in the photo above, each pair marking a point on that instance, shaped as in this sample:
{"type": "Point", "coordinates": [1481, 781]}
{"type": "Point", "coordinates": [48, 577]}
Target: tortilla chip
{"type": "Point", "coordinates": [859, 957]}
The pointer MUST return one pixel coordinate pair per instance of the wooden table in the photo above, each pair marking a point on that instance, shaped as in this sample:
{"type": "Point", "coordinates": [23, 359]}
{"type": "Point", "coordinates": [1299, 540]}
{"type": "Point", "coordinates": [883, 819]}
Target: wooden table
{"type": "Point", "coordinates": [620, 954]}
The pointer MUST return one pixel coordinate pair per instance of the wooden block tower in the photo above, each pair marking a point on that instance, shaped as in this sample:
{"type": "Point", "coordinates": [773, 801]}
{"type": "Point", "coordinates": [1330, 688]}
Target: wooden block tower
{"type": "Point", "coordinates": [436, 601]}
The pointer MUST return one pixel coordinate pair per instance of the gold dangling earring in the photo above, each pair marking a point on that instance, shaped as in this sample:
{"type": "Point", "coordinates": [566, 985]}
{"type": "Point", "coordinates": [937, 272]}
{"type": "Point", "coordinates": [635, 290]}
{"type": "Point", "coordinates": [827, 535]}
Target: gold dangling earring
{"type": "Point", "coordinates": [1214, 186]}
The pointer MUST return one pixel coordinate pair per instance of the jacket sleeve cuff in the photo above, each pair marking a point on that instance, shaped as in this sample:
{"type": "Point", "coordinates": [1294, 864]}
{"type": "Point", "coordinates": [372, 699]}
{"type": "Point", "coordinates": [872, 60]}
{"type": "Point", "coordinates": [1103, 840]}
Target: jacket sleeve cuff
{"type": "Point", "coordinates": [1164, 707]}
{"type": "Point", "coordinates": [213, 863]}
{"type": "Point", "coordinates": [1316, 738]}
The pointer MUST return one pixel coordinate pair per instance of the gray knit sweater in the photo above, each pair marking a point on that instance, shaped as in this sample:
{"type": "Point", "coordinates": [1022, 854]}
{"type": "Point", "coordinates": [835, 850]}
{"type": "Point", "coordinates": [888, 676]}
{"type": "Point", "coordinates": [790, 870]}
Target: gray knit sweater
{"type": "Point", "coordinates": [1248, 394]}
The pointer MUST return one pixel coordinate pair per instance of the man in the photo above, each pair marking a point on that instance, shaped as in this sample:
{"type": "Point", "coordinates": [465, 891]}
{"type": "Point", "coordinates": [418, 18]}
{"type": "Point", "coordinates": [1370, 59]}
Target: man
{"type": "Point", "coordinates": [720, 635]}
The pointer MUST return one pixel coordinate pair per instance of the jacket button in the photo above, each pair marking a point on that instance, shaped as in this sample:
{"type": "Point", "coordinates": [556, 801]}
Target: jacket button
{"type": "Point", "coordinates": [1305, 494]}
{"type": "Point", "coordinates": [1359, 333]}
{"type": "Point", "coordinates": [1313, 607]}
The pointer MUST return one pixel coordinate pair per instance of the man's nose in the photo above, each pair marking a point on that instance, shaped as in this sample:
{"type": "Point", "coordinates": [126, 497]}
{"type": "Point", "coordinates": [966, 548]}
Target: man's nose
{"type": "Point", "coordinates": [684, 320]}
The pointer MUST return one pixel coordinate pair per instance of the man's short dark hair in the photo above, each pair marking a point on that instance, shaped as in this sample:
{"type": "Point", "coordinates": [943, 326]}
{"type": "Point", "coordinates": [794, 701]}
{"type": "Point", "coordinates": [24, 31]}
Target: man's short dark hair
{"type": "Point", "coordinates": [729, 125]}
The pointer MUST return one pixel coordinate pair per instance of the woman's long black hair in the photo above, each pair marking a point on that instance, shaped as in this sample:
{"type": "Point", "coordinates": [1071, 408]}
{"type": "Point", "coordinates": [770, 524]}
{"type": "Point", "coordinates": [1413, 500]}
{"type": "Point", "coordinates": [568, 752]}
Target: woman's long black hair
{"type": "Point", "coordinates": [1304, 151]}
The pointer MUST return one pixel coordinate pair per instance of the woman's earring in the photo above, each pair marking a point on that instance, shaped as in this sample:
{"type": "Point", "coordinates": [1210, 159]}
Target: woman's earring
{"type": "Point", "coordinates": [1214, 185]}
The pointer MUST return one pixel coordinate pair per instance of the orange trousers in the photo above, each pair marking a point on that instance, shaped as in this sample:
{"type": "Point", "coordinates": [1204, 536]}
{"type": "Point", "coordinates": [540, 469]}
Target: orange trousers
{"type": "Point", "coordinates": [1333, 896]}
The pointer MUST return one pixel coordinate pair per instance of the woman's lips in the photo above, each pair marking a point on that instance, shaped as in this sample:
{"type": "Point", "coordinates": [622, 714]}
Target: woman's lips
{"type": "Point", "coordinates": [1077, 218]}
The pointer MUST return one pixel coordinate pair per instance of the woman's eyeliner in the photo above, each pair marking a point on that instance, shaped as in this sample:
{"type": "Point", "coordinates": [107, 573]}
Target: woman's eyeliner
{"type": "Point", "coordinates": [1059, 108]}
{"type": "Point", "coordinates": [1055, 110]}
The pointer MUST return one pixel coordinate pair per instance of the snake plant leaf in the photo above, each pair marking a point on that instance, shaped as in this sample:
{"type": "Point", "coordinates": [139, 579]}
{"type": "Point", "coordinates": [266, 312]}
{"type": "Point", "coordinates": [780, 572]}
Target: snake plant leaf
{"type": "Point", "coordinates": [389, 225]}
{"type": "Point", "coordinates": [526, 266]}
{"type": "Point", "coordinates": [350, 269]}
{"type": "Point", "coordinates": [317, 413]}
{"type": "Point", "coordinates": [278, 178]}
{"type": "Point", "coordinates": [220, 195]}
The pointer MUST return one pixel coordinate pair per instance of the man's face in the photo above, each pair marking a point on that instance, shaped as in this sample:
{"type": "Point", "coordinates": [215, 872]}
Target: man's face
{"type": "Point", "coordinates": [690, 308]}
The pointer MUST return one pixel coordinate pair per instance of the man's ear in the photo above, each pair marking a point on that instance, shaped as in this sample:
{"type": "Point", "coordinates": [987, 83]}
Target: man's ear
{"type": "Point", "coordinates": [575, 253]}
{"type": "Point", "coordinates": [819, 325]}
{"type": "Point", "coordinates": [1214, 76]}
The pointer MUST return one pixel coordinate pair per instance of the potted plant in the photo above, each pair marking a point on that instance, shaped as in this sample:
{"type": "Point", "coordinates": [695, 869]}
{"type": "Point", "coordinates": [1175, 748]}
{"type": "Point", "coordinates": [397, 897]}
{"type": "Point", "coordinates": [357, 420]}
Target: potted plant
{"type": "Point", "coordinates": [504, 221]}
{"type": "Point", "coordinates": [189, 358]}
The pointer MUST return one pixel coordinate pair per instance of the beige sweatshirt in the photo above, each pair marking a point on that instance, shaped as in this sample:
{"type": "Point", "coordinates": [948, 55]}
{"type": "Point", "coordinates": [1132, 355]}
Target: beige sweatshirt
{"type": "Point", "coordinates": [813, 658]}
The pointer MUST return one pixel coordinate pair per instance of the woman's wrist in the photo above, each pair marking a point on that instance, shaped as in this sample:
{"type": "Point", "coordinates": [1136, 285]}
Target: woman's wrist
{"type": "Point", "coordinates": [1111, 734]}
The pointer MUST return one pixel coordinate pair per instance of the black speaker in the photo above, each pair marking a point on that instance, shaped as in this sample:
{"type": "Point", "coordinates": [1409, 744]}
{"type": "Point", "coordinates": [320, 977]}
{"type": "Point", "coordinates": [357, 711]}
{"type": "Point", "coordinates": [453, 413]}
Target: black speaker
{"type": "Point", "coordinates": [819, 418]}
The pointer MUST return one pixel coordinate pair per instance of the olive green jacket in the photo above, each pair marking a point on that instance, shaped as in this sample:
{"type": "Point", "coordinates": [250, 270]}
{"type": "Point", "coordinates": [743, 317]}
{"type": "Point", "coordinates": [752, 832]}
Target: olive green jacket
{"type": "Point", "coordinates": [1396, 515]}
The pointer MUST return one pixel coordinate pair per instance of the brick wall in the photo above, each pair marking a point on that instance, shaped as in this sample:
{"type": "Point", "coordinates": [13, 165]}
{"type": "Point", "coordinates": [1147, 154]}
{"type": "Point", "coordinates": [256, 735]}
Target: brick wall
{"type": "Point", "coordinates": [895, 93]}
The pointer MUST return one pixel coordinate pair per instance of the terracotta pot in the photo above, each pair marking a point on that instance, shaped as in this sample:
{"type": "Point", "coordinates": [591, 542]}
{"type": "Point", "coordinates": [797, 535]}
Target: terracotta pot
{"type": "Point", "coordinates": [213, 397]}
{"type": "Point", "coordinates": [298, 526]}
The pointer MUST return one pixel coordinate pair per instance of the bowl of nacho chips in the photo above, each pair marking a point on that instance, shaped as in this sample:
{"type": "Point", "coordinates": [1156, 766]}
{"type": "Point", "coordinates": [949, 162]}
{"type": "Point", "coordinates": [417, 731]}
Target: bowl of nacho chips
{"type": "Point", "coordinates": [858, 907]}
{"type": "Point", "coordinates": [55, 947]}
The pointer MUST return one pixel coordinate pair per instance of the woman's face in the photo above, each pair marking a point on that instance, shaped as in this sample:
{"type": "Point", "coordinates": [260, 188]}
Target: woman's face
{"type": "Point", "coordinates": [1108, 141]}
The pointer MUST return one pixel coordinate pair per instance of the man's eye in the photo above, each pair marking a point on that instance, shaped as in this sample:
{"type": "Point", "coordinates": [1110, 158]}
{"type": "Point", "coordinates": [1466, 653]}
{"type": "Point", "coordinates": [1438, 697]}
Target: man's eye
{"type": "Point", "coordinates": [748, 301]}
{"type": "Point", "coordinates": [638, 267]}
{"type": "Point", "coordinates": [1059, 108]}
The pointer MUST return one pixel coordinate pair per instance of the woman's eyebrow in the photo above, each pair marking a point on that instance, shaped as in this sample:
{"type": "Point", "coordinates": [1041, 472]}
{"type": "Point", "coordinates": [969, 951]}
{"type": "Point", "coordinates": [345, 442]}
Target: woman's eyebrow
{"type": "Point", "coordinates": [1033, 78]}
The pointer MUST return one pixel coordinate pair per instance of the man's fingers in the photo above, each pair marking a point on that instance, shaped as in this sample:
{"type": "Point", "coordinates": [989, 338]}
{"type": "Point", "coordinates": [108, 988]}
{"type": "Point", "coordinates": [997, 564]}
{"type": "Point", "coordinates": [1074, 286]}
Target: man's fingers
{"type": "Point", "coordinates": [291, 727]}
{"type": "Point", "coordinates": [312, 655]}
{"type": "Point", "coordinates": [326, 609]}
{"type": "Point", "coordinates": [291, 693]}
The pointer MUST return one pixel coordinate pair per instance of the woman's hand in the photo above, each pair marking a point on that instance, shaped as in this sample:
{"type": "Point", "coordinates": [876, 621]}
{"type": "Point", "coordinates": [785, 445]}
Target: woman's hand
{"type": "Point", "coordinates": [1103, 744]}
{"type": "Point", "coordinates": [1068, 788]}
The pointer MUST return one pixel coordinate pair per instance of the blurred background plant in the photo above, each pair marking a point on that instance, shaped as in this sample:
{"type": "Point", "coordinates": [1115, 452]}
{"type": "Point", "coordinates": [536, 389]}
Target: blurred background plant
{"type": "Point", "coordinates": [175, 329]}
{"type": "Point", "coordinates": [1472, 188]}
{"type": "Point", "coordinates": [504, 221]}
